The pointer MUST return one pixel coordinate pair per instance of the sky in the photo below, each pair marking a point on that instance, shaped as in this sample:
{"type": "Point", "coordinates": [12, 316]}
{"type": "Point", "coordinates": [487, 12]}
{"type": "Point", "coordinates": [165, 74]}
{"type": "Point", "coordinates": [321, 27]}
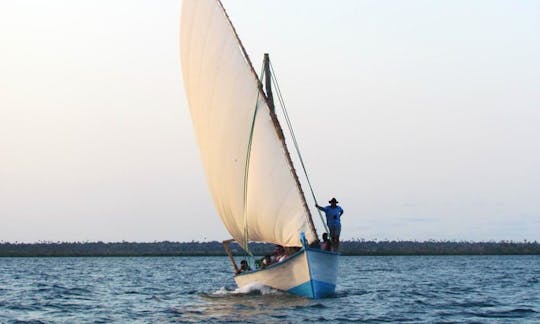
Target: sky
{"type": "Point", "coordinates": [421, 117]}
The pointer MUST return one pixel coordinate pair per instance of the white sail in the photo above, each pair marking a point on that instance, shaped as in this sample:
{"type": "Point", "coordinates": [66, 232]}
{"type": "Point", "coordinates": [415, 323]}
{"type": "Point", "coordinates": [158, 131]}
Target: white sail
{"type": "Point", "coordinates": [223, 92]}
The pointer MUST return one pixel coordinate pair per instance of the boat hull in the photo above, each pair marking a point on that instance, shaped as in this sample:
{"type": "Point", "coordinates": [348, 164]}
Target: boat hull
{"type": "Point", "coordinates": [309, 273]}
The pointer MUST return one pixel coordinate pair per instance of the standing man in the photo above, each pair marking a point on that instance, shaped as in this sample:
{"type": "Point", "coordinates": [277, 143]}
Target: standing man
{"type": "Point", "coordinates": [333, 220]}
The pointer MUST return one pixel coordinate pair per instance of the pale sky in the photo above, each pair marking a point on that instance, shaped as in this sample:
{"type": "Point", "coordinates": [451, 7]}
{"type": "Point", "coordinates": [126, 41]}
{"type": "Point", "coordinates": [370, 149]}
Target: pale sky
{"type": "Point", "coordinates": [421, 117]}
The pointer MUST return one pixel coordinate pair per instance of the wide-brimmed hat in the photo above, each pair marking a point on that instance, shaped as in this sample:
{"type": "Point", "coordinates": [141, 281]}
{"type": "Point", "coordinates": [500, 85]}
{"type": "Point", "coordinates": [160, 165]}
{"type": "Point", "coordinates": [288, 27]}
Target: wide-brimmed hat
{"type": "Point", "coordinates": [333, 200]}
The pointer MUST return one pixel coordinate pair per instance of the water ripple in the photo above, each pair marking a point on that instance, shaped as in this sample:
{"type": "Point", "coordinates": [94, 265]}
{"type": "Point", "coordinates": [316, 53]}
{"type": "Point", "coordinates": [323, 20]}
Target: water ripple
{"type": "Point", "coordinates": [371, 289]}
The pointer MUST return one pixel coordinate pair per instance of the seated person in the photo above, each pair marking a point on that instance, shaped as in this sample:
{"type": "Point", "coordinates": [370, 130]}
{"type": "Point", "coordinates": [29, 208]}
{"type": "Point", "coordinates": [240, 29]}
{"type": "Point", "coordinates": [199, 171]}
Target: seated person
{"type": "Point", "coordinates": [325, 245]}
{"type": "Point", "coordinates": [279, 254]}
{"type": "Point", "coordinates": [244, 266]}
{"type": "Point", "coordinates": [266, 261]}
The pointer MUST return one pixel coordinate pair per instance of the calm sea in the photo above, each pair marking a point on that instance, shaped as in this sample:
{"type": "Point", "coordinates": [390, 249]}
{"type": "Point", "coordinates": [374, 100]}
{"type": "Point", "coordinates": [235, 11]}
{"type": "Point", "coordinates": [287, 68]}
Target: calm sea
{"type": "Point", "coordinates": [483, 289]}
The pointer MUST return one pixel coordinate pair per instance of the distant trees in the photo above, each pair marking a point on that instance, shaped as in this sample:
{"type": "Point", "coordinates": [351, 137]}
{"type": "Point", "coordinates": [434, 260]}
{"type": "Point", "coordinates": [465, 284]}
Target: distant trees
{"type": "Point", "coordinates": [214, 248]}
{"type": "Point", "coordinates": [360, 247]}
{"type": "Point", "coordinates": [165, 248]}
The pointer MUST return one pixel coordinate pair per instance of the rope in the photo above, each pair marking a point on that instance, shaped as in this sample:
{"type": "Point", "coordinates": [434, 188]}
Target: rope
{"type": "Point", "coordinates": [296, 146]}
{"type": "Point", "coordinates": [246, 168]}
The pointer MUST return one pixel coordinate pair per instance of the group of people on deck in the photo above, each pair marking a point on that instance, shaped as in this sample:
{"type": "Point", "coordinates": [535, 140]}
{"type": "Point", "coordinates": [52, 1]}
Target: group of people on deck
{"type": "Point", "coordinates": [333, 214]}
{"type": "Point", "coordinates": [279, 255]}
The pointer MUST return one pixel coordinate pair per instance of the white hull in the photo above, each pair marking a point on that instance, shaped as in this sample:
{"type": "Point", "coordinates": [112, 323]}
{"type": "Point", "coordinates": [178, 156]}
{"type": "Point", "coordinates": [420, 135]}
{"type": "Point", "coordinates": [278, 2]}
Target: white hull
{"type": "Point", "coordinates": [309, 272]}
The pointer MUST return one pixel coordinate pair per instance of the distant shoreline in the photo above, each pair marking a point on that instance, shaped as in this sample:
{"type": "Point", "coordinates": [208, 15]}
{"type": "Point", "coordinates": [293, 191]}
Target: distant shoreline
{"type": "Point", "coordinates": [214, 248]}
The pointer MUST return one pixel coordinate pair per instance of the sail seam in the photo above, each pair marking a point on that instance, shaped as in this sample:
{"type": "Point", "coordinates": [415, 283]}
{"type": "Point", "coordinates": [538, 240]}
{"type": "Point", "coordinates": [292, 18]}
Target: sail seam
{"type": "Point", "coordinates": [246, 174]}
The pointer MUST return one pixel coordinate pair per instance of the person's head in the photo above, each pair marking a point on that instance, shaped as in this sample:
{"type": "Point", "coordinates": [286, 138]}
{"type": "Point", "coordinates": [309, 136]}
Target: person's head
{"type": "Point", "coordinates": [325, 236]}
{"type": "Point", "coordinates": [333, 202]}
{"type": "Point", "coordinates": [243, 264]}
{"type": "Point", "coordinates": [279, 249]}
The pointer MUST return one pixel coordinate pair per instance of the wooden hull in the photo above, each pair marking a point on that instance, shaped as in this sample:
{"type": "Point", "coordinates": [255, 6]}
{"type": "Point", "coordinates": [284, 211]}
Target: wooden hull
{"type": "Point", "coordinates": [309, 273]}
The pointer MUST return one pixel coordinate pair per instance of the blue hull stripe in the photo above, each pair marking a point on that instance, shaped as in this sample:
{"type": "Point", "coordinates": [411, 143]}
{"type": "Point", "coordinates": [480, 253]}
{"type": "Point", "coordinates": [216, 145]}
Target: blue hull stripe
{"type": "Point", "coordinates": [314, 289]}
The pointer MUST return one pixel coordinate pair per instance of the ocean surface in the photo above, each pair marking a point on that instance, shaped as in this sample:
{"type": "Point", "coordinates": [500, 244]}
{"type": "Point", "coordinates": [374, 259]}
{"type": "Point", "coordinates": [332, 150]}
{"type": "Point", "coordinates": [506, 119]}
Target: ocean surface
{"type": "Point", "coordinates": [482, 289]}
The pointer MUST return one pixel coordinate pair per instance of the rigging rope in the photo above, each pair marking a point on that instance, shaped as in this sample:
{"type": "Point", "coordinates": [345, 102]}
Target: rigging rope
{"type": "Point", "coordinates": [296, 146]}
{"type": "Point", "coordinates": [246, 167]}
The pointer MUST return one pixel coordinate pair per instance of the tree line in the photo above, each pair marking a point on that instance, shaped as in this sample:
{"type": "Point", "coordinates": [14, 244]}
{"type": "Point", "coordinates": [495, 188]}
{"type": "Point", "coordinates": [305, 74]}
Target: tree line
{"type": "Point", "coordinates": [214, 248]}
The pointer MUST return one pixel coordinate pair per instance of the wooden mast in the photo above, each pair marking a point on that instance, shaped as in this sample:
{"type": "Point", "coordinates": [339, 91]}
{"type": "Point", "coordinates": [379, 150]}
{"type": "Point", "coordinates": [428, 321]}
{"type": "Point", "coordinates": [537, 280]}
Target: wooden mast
{"type": "Point", "coordinates": [268, 82]}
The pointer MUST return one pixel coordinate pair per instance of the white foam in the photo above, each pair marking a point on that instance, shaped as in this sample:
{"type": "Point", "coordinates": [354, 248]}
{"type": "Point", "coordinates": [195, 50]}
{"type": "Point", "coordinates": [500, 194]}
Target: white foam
{"type": "Point", "coordinates": [253, 288]}
{"type": "Point", "coordinates": [222, 292]}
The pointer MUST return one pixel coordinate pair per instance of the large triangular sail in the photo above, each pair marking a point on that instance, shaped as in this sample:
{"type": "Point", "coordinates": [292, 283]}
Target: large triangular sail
{"type": "Point", "coordinates": [266, 202]}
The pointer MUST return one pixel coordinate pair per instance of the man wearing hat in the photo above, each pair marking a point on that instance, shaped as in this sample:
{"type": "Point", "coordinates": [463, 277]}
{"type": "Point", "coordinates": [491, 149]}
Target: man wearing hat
{"type": "Point", "coordinates": [333, 220]}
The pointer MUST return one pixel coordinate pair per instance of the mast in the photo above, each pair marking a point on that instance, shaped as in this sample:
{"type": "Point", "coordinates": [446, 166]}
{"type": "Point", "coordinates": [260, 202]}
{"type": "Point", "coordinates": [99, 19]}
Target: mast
{"type": "Point", "coordinates": [268, 82]}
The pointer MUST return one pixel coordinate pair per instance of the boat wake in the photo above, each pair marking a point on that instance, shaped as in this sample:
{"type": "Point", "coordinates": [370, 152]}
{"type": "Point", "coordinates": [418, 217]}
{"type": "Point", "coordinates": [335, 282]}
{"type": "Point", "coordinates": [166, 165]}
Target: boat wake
{"type": "Point", "coordinates": [248, 290]}
{"type": "Point", "coordinates": [252, 303]}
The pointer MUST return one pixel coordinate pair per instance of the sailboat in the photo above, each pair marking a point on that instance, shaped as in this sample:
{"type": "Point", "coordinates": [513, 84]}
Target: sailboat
{"type": "Point", "coordinates": [249, 171]}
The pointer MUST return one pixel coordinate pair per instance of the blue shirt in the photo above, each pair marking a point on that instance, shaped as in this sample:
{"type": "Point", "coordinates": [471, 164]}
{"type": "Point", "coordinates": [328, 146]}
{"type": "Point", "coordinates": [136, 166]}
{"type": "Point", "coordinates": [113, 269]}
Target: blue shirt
{"type": "Point", "coordinates": [333, 214]}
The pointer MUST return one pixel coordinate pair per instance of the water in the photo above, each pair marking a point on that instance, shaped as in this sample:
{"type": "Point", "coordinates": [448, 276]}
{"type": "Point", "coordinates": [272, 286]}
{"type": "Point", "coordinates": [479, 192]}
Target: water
{"type": "Point", "coordinates": [483, 289]}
